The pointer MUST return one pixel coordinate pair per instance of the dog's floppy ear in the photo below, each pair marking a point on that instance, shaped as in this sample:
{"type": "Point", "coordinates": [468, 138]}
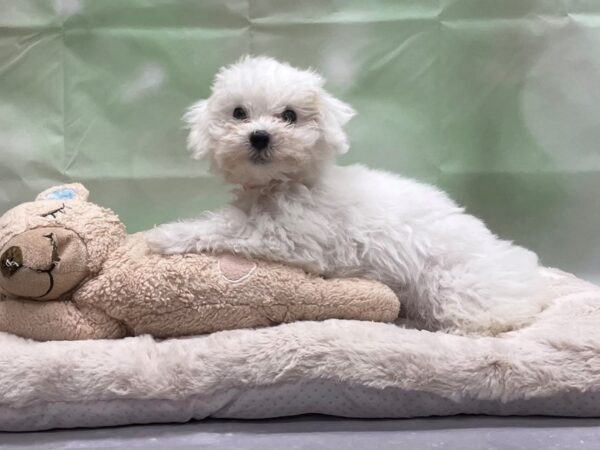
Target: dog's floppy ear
{"type": "Point", "coordinates": [196, 120]}
{"type": "Point", "coordinates": [334, 115]}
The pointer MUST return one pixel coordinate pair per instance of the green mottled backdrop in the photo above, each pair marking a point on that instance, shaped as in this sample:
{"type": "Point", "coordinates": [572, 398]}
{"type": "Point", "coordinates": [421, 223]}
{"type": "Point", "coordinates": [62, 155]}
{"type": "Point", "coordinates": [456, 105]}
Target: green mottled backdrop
{"type": "Point", "coordinates": [496, 101]}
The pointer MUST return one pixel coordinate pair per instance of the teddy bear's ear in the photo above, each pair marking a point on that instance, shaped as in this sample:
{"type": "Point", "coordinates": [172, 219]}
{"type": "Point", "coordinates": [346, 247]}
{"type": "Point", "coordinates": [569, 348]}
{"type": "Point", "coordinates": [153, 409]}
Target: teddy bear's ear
{"type": "Point", "coordinates": [73, 191]}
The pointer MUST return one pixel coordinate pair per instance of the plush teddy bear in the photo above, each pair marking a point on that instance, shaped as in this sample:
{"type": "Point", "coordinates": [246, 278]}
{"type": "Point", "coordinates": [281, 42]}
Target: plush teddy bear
{"type": "Point", "coordinates": [68, 270]}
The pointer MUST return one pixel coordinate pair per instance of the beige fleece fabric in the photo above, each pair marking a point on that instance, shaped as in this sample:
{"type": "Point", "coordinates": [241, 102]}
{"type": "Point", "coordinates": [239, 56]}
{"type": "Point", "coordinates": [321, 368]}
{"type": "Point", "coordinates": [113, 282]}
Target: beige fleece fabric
{"type": "Point", "coordinates": [340, 367]}
{"type": "Point", "coordinates": [71, 273]}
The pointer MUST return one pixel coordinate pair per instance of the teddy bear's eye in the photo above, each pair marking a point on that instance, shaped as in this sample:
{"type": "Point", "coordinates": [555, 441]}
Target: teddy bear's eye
{"type": "Point", "coordinates": [54, 212]}
{"type": "Point", "coordinates": [289, 115]}
{"type": "Point", "coordinates": [240, 113]}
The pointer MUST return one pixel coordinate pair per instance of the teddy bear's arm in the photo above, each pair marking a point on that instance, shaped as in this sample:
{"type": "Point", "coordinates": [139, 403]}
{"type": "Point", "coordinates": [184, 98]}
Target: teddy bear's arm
{"type": "Point", "coordinates": [56, 320]}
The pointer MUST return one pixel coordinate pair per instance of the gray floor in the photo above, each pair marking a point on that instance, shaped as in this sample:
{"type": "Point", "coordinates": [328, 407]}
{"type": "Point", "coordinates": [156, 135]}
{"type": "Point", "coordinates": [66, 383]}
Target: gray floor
{"type": "Point", "coordinates": [319, 432]}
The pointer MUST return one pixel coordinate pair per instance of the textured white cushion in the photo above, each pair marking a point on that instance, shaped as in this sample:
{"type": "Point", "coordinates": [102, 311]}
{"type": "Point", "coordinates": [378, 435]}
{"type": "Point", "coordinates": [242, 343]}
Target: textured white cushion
{"type": "Point", "coordinates": [345, 368]}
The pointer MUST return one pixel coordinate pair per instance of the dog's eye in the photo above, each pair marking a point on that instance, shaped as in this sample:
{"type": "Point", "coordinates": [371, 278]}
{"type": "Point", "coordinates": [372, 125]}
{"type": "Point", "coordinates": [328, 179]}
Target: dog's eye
{"type": "Point", "coordinates": [289, 116]}
{"type": "Point", "coordinates": [239, 113]}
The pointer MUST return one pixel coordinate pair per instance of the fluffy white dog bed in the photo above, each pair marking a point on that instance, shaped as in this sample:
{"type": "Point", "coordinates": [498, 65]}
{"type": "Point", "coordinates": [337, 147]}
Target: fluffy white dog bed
{"type": "Point", "coordinates": [335, 367]}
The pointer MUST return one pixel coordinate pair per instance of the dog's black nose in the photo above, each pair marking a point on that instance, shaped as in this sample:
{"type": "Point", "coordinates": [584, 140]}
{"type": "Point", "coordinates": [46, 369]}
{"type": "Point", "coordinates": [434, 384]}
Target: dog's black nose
{"type": "Point", "coordinates": [260, 139]}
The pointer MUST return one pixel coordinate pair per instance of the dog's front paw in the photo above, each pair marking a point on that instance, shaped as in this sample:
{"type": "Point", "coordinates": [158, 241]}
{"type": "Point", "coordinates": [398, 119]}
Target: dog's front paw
{"type": "Point", "coordinates": [166, 240]}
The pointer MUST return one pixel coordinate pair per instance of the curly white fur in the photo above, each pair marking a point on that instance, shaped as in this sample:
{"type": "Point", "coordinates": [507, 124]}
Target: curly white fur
{"type": "Point", "coordinates": [297, 207]}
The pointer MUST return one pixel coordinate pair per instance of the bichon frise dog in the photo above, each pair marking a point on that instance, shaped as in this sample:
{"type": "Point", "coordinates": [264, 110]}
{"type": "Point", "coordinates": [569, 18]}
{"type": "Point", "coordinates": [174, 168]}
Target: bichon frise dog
{"type": "Point", "coordinates": [274, 130]}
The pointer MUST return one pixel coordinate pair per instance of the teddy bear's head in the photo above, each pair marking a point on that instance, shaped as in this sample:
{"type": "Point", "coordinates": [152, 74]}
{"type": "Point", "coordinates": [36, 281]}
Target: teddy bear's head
{"type": "Point", "coordinates": [49, 246]}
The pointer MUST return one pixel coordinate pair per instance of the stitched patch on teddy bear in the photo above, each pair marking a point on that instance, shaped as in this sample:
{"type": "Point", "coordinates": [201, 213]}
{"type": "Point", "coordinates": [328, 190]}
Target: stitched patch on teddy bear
{"type": "Point", "coordinates": [236, 268]}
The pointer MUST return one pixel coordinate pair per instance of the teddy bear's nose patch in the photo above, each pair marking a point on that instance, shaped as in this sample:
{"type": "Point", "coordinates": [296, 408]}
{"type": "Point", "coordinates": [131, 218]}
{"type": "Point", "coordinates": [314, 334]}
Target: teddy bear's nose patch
{"type": "Point", "coordinates": [11, 261]}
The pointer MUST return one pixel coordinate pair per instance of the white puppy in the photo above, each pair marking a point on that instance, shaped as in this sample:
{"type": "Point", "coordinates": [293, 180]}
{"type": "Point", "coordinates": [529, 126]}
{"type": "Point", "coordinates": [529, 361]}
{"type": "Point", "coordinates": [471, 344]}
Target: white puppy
{"type": "Point", "coordinates": [274, 130]}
